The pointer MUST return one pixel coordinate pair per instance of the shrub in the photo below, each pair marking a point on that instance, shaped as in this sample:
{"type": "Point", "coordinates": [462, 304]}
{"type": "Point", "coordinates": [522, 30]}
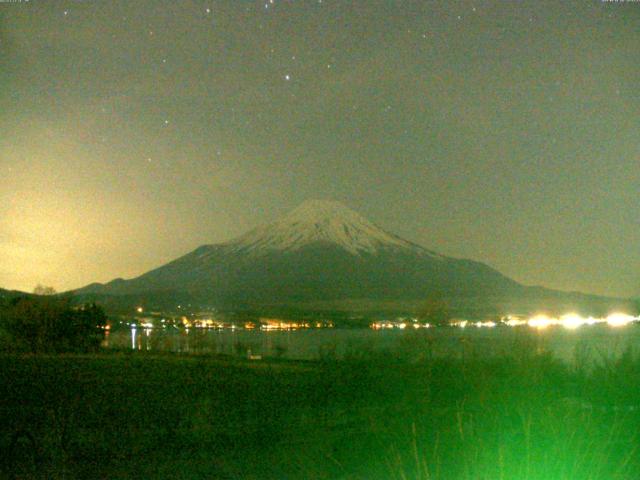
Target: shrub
{"type": "Point", "coordinates": [52, 324]}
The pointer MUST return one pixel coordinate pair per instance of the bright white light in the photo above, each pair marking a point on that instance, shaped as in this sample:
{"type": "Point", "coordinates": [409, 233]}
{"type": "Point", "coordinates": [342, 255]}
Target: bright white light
{"type": "Point", "coordinates": [514, 322]}
{"type": "Point", "coordinates": [619, 319]}
{"type": "Point", "coordinates": [540, 321]}
{"type": "Point", "coordinates": [593, 321]}
{"type": "Point", "coordinates": [571, 321]}
{"type": "Point", "coordinates": [489, 324]}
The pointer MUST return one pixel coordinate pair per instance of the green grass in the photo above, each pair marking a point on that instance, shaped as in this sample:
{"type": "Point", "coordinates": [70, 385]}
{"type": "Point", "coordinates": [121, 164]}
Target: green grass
{"type": "Point", "coordinates": [512, 417]}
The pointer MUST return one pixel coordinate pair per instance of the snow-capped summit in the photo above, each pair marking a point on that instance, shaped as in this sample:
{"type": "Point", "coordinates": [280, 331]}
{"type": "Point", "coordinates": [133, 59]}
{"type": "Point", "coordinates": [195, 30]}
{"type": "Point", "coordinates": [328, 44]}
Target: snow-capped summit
{"type": "Point", "coordinates": [320, 251]}
{"type": "Point", "coordinates": [320, 221]}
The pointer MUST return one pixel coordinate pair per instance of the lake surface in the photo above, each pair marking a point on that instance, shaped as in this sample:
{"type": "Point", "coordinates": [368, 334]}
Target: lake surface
{"type": "Point", "coordinates": [588, 342]}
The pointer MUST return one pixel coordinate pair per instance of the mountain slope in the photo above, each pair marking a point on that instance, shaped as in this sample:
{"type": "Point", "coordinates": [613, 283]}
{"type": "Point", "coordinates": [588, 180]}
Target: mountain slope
{"type": "Point", "coordinates": [321, 221]}
{"type": "Point", "coordinates": [322, 250]}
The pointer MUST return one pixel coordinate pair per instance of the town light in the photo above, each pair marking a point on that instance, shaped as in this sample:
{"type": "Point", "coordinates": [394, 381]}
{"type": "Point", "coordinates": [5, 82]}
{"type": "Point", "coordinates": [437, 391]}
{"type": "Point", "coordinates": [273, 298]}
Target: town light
{"type": "Point", "coordinates": [619, 319]}
{"type": "Point", "coordinates": [540, 321]}
{"type": "Point", "coordinates": [571, 321]}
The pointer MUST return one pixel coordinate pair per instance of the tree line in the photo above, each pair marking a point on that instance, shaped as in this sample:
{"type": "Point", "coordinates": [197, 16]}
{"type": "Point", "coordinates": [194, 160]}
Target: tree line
{"type": "Point", "coordinates": [46, 322]}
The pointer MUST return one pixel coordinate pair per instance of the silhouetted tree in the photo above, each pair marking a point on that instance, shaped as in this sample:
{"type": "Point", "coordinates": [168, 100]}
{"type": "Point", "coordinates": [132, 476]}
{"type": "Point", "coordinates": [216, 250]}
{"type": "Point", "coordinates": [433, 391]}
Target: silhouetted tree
{"type": "Point", "coordinates": [44, 291]}
{"type": "Point", "coordinates": [50, 324]}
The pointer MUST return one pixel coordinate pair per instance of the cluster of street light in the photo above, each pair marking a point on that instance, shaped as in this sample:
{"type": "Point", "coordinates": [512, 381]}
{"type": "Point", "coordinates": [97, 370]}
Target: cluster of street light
{"type": "Point", "coordinates": [570, 321]}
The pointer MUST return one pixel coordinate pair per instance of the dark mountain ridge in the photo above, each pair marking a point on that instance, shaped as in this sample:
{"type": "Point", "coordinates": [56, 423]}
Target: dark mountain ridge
{"type": "Point", "coordinates": [325, 252]}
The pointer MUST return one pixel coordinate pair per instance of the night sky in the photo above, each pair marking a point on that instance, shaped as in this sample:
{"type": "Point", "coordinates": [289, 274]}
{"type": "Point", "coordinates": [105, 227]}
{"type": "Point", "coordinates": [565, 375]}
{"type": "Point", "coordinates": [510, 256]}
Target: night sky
{"type": "Point", "coordinates": [507, 132]}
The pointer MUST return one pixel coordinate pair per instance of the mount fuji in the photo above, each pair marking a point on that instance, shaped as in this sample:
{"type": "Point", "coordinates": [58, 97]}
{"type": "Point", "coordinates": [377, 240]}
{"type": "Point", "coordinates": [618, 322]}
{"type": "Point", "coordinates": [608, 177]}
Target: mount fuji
{"type": "Point", "coordinates": [320, 252]}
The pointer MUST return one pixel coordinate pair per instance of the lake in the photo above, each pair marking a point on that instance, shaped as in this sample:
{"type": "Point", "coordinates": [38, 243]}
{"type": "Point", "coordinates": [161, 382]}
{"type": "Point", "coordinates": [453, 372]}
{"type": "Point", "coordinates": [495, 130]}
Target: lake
{"type": "Point", "coordinates": [590, 342]}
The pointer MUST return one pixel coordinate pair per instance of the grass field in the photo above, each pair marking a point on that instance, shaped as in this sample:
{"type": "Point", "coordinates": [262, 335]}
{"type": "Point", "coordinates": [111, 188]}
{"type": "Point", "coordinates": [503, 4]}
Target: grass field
{"type": "Point", "coordinates": [119, 415]}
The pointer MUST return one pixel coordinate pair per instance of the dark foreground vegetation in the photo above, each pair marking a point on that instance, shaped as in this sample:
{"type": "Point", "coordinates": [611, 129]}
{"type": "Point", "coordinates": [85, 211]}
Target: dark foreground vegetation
{"type": "Point", "coordinates": [49, 323]}
{"type": "Point", "coordinates": [120, 415]}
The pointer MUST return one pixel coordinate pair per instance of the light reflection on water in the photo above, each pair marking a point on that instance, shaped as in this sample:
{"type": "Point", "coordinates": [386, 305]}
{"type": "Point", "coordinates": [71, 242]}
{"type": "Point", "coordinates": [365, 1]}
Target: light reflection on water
{"type": "Point", "coordinates": [595, 342]}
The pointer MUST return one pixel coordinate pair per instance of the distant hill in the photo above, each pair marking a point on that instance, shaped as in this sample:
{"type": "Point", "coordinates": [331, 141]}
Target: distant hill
{"type": "Point", "coordinates": [323, 255]}
{"type": "Point", "coordinates": [7, 294]}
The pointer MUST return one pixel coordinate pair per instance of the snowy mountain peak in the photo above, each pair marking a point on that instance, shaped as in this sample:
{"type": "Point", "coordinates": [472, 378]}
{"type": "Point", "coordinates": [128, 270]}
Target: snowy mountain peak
{"type": "Point", "coordinates": [320, 221]}
{"type": "Point", "coordinates": [323, 210]}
